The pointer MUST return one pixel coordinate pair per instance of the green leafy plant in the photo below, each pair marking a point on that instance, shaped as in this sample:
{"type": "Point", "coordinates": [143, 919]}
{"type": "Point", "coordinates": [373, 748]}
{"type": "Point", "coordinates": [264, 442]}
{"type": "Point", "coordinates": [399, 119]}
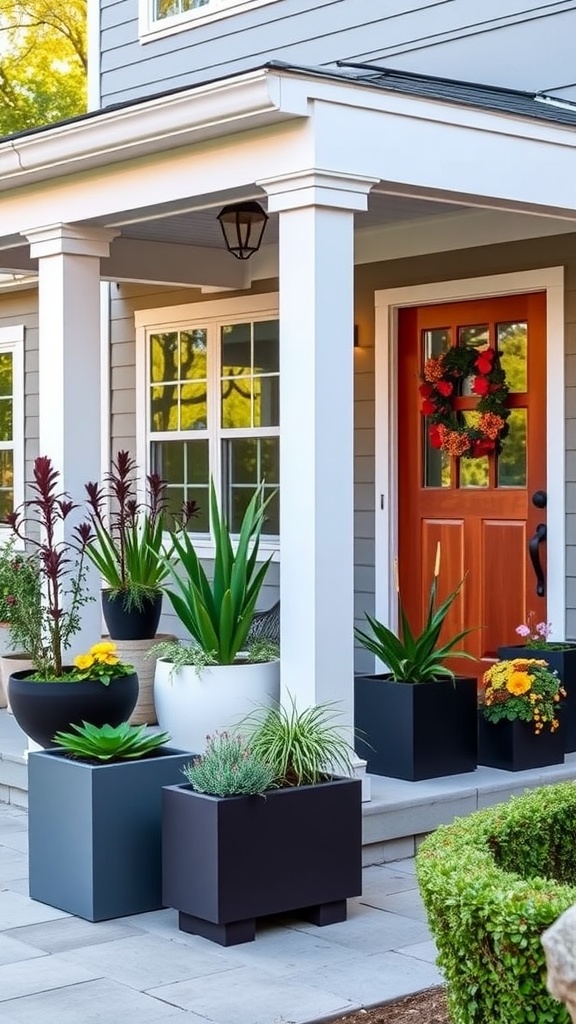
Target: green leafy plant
{"type": "Point", "coordinates": [219, 613]}
{"type": "Point", "coordinates": [523, 688]}
{"type": "Point", "coordinates": [110, 743]}
{"type": "Point", "coordinates": [100, 662]}
{"type": "Point", "coordinates": [417, 659]}
{"type": "Point", "coordinates": [128, 546]}
{"type": "Point", "coordinates": [19, 580]}
{"type": "Point", "coordinates": [302, 747]}
{"type": "Point", "coordinates": [230, 767]}
{"type": "Point", "coordinates": [492, 883]}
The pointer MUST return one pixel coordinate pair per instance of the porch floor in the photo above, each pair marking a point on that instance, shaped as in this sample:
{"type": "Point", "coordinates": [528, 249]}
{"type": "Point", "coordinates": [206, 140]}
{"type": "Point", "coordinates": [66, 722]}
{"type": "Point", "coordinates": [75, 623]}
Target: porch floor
{"type": "Point", "coordinates": [396, 818]}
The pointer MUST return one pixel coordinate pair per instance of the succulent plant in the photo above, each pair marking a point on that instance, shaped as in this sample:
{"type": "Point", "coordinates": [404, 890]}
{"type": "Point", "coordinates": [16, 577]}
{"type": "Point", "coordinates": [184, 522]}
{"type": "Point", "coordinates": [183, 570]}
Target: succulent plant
{"type": "Point", "coordinates": [110, 743]}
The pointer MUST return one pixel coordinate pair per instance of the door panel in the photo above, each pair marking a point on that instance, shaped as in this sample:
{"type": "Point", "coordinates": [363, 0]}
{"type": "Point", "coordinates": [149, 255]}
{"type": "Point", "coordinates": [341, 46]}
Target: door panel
{"type": "Point", "coordinates": [479, 509]}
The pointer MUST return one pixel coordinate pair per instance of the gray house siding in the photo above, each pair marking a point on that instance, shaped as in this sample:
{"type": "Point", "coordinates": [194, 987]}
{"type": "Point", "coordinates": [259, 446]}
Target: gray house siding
{"type": "Point", "coordinates": [457, 39]}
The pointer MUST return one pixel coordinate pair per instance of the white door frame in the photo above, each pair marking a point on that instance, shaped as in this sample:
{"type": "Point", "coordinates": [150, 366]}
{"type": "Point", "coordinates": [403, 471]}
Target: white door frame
{"type": "Point", "coordinates": [387, 303]}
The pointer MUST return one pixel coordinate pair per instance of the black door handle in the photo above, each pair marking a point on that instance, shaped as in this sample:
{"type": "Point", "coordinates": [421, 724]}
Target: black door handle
{"type": "Point", "coordinates": [533, 547]}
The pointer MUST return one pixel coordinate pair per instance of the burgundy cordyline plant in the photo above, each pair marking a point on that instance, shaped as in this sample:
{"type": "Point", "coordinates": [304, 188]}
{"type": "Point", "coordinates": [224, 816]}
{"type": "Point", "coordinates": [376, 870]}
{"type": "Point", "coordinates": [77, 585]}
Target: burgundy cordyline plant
{"type": "Point", "coordinates": [45, 628]}
{"type": "Point", "coordinates": [127, 548]}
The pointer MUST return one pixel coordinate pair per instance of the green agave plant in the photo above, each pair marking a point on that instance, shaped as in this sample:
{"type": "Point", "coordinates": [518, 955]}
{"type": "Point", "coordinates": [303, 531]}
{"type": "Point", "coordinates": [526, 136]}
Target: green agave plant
{"type": "Point", "coordinates": [110, 743]}
{"type": "Point", "coordinates": [417, 659]}
{"type": "Point", "coordinates": [218, 613]}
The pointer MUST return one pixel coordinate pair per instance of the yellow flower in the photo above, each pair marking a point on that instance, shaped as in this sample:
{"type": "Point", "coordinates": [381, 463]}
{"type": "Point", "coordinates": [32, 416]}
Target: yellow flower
{"type": "Point", "coordinates": [518, 683]}
{"type": "Point", "coordinates": [84, 661]}
{"type": "Point", "coordinates": [108, 659]}
{"type": "Point", "coordinates": [104, 647]}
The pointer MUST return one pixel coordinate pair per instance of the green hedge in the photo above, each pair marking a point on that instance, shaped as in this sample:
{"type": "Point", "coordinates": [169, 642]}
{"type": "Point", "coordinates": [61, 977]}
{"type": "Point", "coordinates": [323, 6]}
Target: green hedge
{"type": "Point", "coordinates": [491, 884]}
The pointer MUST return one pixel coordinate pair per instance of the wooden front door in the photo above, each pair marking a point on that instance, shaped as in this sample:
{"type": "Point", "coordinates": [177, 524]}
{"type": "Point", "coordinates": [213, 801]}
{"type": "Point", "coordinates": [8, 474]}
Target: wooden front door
{"type": "Point", "coordinates": [480, 509]}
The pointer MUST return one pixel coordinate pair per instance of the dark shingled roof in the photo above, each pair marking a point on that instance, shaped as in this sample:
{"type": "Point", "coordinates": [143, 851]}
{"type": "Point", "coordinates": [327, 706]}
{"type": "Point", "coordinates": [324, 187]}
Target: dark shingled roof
{"type": "Point", "coordinates": [447, 90]}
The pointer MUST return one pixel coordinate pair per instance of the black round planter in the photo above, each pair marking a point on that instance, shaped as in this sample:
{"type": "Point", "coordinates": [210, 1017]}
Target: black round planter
{"type": "Point", "coordinates": [44, 708]}
{"type": "Point", "coordinates": [133, 623]}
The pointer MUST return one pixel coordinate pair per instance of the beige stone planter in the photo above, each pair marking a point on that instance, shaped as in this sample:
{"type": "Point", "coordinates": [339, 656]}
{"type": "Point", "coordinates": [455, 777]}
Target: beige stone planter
{"type": "Point", "coordinates": [134, 652]}
{"type": "Point", "coordinates": [10, 663]}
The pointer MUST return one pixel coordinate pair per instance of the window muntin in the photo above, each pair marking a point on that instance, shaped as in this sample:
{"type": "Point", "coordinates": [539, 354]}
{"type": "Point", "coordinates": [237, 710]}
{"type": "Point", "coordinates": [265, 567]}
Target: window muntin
{"type": "Point", "coordinates": [213, 410]}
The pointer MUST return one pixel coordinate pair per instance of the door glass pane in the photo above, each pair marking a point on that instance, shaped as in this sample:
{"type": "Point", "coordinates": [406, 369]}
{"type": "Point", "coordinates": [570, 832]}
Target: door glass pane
{"type": "Point", "coordinates": [236, 402]}
{"type": "Point", "coordinates": [472, 337]}
{"type": "Point", "coordinates": [437, 464]}
{"type": "Point", "coordinates": [435, 342]}
{"type": "Point", "coordinates": [266, 401]}
{"type": "Point", "coordinates": [236, 356]}
{"type": "Point", "coordinates": [6, 419]}
{"type": "Point", "coordinates": [512, 343]}
{"type": "Point", "coordinates": [473, 472]}
{"type": "Point", "coordinates": [6, 483]}
{"type": "Point", "coordinates": [511, 470]}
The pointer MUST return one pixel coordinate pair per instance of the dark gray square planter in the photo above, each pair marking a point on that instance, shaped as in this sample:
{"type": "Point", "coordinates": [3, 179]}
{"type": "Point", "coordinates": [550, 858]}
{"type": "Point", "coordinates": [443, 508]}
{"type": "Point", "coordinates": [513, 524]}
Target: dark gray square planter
{"type": "Point", "coordinates": [416, 731]}
{"type": "Point", "coordinates": [95, 832]}
{"type": "Point", "coordinates": [229, 860]}
{"type": "Point", "coordinates": [564, 662]}
{"type": "Point", "coordinates": [515, 747]}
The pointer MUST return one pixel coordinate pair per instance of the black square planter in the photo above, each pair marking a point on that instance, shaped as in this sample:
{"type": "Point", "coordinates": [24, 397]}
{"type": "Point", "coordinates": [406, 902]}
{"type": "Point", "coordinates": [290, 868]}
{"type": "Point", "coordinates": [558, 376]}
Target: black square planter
{"type": "Point", "coordinates": [229, 860]}
{"type": "Point", "coordinates": [515, 747]}
{"type": "Point", "coordinates": [416, 731]}
{"type": "Point", "coordinates": [564, 662]}
{"type": "Point", "coordinates": [95, 832]}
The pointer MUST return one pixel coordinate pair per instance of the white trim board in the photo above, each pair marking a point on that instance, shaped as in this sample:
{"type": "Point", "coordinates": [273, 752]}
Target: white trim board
{"type": "Point", "coordinates": [387, 303]}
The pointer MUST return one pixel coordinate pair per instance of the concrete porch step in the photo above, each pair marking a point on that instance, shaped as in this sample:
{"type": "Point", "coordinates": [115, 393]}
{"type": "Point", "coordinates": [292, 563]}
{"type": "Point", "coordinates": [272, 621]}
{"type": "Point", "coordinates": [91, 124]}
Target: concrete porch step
{"type": "Point", "coordinates": [395, 820]}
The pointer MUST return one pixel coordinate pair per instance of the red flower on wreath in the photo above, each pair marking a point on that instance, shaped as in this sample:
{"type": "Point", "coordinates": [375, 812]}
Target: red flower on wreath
{"type": "Point", "coordinates": [448, 430]}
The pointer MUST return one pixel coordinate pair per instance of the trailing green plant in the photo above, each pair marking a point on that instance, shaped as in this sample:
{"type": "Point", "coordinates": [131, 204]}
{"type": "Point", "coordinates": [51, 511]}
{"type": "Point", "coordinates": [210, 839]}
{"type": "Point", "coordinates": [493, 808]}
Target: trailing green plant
{"type": "Point", "coordinates": [110, 743]}
{"type": "Point", "coordinates": [262, 650]}
{"type": "Point", "coordinates": [128, 546]}
{"type": "Point", "coordinates": [218, 613]}
{"type": "Point", "coordinates": [491, 884]}
{"type": "Point", "coordinates": [417, 658]}
{"type": "Point", "coordinates": [181, 655]}
{"type": "Point", "coordinates": [302, 747]}
{"type": "Point", "coordinates": [229, 767]}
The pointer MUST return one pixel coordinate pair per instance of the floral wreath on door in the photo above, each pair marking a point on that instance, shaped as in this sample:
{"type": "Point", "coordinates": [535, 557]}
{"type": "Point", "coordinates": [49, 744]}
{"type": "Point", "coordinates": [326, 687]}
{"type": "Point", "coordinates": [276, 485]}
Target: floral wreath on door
{"type": "Point", "coordinates": [441, 383]}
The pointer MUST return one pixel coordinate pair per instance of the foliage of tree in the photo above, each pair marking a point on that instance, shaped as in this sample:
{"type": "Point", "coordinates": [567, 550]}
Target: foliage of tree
{"type": "Point", "coordinates": [43, 61]}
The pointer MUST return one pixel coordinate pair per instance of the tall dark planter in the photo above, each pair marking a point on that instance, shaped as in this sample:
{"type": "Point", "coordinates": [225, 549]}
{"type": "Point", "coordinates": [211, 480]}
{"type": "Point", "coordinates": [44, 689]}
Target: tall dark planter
{"type": "Point", "coordinates": [132, 623]}
{"type": "Point", "coordinates": [515, 747]}
{"type": "Point", "coordinates": [229, 860]}
{"type": "Point", "coordinates": [44, 708]}
{"type": "Point", "coordinates": [416, 731]}
{"type": "Point", "coordinates": [564, 662]}
{"type": "Point", "coordinates": [95, 832]}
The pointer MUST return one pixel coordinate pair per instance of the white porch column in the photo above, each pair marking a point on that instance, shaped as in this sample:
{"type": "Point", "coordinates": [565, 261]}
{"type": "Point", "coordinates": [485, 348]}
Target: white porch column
{"type": "Point", "coordinates": [69, 366]}
{"type": "Point", "coordinates": [316, 433]}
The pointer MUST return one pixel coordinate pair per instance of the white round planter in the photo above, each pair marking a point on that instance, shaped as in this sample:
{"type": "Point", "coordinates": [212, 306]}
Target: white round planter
{"type": "Point", "coordinates": [192, 703]}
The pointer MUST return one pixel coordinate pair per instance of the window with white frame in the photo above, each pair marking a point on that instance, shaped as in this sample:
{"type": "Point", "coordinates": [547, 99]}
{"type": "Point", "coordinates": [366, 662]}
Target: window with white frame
{"type": "Point", "coordinates": [11, 418]}
{"type": "Point", "coordinates": [166, 12]}
{"type": "Point", "coordinates": [212, 410]}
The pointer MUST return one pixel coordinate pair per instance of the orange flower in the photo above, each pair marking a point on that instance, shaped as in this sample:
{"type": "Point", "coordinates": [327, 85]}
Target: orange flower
{"type": "Point", "coordinates": [490, 425]}
{"type": "Point", "coordinates": [434, 369]}
{"type": "Point", "coordinates": [518, 683]}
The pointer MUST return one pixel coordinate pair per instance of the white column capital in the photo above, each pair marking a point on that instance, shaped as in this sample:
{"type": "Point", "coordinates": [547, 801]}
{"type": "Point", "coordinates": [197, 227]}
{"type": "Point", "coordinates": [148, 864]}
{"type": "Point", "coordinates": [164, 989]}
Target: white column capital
{"type": "Point", "coordinates": [315, 187]}
{"type": "Point", "coordinates": [70, 240]}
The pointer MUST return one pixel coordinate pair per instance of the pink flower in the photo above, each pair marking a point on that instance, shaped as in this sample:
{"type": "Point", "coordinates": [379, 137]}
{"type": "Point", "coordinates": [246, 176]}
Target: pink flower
{"type": "Point", "coordinates": [523, 630]}
{"type": "Point", "coordinates": [544, 629]}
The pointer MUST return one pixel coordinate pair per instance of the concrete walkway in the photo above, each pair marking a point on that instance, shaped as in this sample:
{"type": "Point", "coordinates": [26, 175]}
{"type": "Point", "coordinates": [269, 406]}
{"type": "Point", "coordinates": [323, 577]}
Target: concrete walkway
{"type": "Point", "coordinates": [58, 969]}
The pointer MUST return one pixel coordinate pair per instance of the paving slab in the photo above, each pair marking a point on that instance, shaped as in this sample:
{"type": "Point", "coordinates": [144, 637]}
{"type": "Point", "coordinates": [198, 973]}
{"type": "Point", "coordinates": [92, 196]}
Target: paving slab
{"type": "Point", "coordinates": [362, 979]}
{"type": "Point", "coordinates": [250, 997]}
{"type": "Point", "coordinates": [96, 1002]}
{"type": "Point", "coordinates": [407, 903]}
{"type": "Point", "coordinates": [70, 933]}
{"type": "Point", "coordinates": [373, 931]}
{"type": "Point", "coordinates": [146, 961]}
{"type": "Point", "coordinates": [16, 910]}
{"type": "Point", "coordinates": [12, 950]}
{"type": "Point", "coordinates": [39, 975]}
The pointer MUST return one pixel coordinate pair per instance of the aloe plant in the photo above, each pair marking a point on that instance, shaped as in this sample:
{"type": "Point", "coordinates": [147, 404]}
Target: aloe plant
{"type": "Point", "coordinates": [411, 658]}
{"type": "Point", "coordinates": [110, 743]}
{"type": "Point", "coordinates": [218, 613]}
